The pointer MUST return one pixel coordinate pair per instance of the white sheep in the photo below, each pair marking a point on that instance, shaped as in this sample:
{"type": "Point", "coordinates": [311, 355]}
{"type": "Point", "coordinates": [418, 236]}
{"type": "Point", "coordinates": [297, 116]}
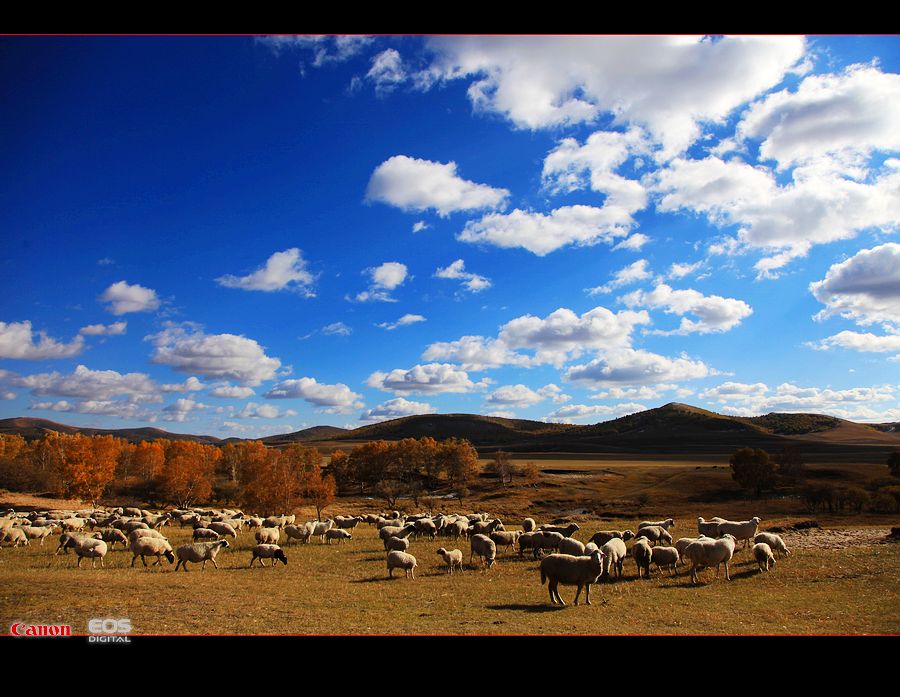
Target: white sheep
{"type": "Point", "coordinates": [655, 534]}
{"type": "Point", "coordinates": [571, 546]}
{"type": "Point", "coordinates": [111, 536]}
{"type": "Point", "coordinates": [268, 535]}
{"type": "Point", "coordinates": [16, 536]}
{"type": "Point", "coordinates": [87, 547]}
{"type": "Point", "coordinates": [505, 538]}
{"type": "Point", "coordinates": [401, 560]}
{"type": "Point", "coordinates": [682, 543]}
{"type": "Point", "coordinates": [38, 532]}
{"type": "Point", "coordinates": [707, 552]}
{"type": "Point", "coordinates": [224, 529]}
{"type": "Point", "coordinates": [484, 547]}
{"type": "Point", "coordinates": [668, 523]}
{"type": "Point", "coordinates": [452, 558]}
{"type": "Point", "coordinates": [604, 536]}
{"type": "Point", "coordinates": [347, 522]}
{"type": "Point", "coordinates": [710, 527]}
{"type": "Point", "coordinates": [321, 528]}
{"type": "Point", "coordinates": [763, 555]}
{"type": "Point", "coordinates": [200, 552]}
{"type": "Point", "coordinates": [396, 544]}
{"type": "Point", "coordinates": [665, 556]}
{"type": "Point", "coordinates": [614, 553]}
{"type": "Point", "coordinates": [571, 571]}
{"type": "Point", "coordinates": [273, 552]}
{"type": "Point", "coordinates": [338, 534]}
{"type": "Point", "coordinates": [774, 541]}
{"type": "Point", "coordinates": [151, 546]}
{"type": "Point", "coordinates": [744, 530]}
{"type": "Point", "coordinates": [643, 555]}
{"type": "Point", "coordinates": [300, 532]}
{"type": "Point", "coordinates": [205, 534]}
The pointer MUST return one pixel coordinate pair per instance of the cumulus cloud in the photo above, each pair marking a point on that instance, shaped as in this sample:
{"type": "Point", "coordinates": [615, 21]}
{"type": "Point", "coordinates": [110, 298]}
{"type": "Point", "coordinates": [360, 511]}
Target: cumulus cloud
{"type": "Point", "coordinates": [285, 270]}
{"type": "Point", "coordinates": [457, 271]}
{"type": "Point", "coordinates": [181, 409]}
{"type": "Point", "coordinates": [92, 385]}
{"type": "Point", "coordinates": [431, 378]}
{"type": "Point", "coordinates": [17, 341]}
{"type": "Point", "coordinates": [502, 414]}
{"type": "Point", "coordinates": [554, 393]}
{"type": "Point", "coordinates": [420, 225]}
{"type": "Point", "coordinates": [387, 71]}
{"type": "Point", "coordinates": [865, 288]}
{"type": "Point", "coordinates": [668, 84]}
{"type": "Point", "coordinates": [7, 396]}
{"type": "Point", "coordinates": [188, 349]}
{"type": "Point", "coordinates": [574, 413]}
{"type": "Point", "coordinates": [680, 270]}
{"type": "Point", "coordinates": [571, 166]}
{"type": "Point", "coordinates": [114, 329]}
{"type": "Point", "coordinates": [642, 392]}
{"type": "Point", "coordinates": [406, 320]}
{"type": "Point", "coordinates": [633, 242]}
{"type": "Point", "coordinates": [335, 399]}
{"type": "Point", "coordinates": [542, 233]}
{"type": "Point", "coordinates": [860, 341]}
{"type": "Point", "coordinates": [714, 313]}
{"type": "Point", "coordinates": [231, 392]}
{"type": "Point", "coordinates": [418, 185]}
{"type": "Point", "coordinates": [192, 384]}
{"type": "Point", "coordinates": [627, 366]}
{"type": "Point", "coordinates": [325, 48]}
{"type": "Point", "coordinates": [338, 328]}
{"type": "Point", "coordinates": [395, 409]}
{"type": "Point", "coordinates": [638, 271]}
{"type": "Point", "coordinates": [117, 408]}
{"type": "Point", "coordinates": [474, 353]}
{"type": "Point", "coordinates": [252, 410]}
{"type": "Point", "coordinates": [384, 278]}
{"type": "Point", "coordinates": [124, 298]}
{"type": "Point", "coordinates": [514, 396]}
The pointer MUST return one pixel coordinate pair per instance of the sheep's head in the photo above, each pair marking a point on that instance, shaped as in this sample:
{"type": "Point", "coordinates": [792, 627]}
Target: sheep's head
{"type": "Point", "coordinates": [170, 555]}
{"type": "Point", "coordinates": [281, 555]}
{"type": "Point", "coordinates": [627, 535]}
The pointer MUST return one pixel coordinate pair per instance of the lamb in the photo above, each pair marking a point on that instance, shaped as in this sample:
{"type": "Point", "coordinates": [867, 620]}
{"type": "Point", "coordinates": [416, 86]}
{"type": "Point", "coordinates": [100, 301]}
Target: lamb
{"type": "Point", "coordinates": [273, 552]}
{"type": "Point", "coordinates": [710, 527]}
{"type": "Point", "coordinates": [571, 571]}
{"type": "Point", "coordinates": [87, 547]}
{"type": "Point", "coordinates": [152, 546]}
{"type": "Point", "coordinates": [743, 530]}
{"type": "Point", "coordinates": [705, 553]}
{"type": "Point", "coordinates": [643, 555]}
{"type": "Point", "coordinates": [205, 534]}
{"type": "Point", "coordinates": [396, 544]}
{"type": "Point", "coordinates": [528, 525]}
{"type": "Point", "coordinates": [452, 558]}
{"type": "Point", "coordinates": [668, 523]}
{"type": "Point", "coordinates": [401, 560]}
{"type": "Point", "coordinates": [614, 553]}
{"type": "Point", "coordinates": [200, 552]}
{"type": "Point", "coordinates": [571, 546]}
{"type": "Point", "coordinates": [484, 547]}
{"type": "Point", "coordinates": [566, 531]}
{"type": "Point", "coordinates": [604, 536]}
{"type": "Point", "coordinates": [774, 541]}
{"type": "Point", "coordinates": [504, 538]}
{"type": "Point", "coordinates": [338, 534]}
{"type": "Point", "coordinates": [268, 536]}
{"type": "Point", "coordinates": [665, 556]}
{"type": "Point", "coordinates": [655, 534]}
{"type": "Point", "coordinates": [763, 555]}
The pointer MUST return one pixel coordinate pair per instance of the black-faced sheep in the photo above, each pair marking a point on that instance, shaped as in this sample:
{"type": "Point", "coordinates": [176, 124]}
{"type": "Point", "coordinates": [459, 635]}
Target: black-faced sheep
{"type": "Point", "coordinates": [151, 546]}
{"type": "Point", "coordinates": [273, 552]}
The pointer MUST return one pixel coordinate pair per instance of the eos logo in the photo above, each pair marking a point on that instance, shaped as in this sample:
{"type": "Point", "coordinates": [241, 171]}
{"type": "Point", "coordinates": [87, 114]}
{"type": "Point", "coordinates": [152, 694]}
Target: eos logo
{"type": "Point", "coordinates": [105, 631]}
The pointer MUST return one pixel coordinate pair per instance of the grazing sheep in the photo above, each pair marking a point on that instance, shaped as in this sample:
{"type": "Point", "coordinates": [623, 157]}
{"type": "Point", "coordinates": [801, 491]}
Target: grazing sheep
{"type": "Point", "coordinates": [273, 552]}
{"type": "Point", "coordinates": [763, 555]}
{"type": "Point", "coordinates": [300, 532]}
{"type": "Point", "coordinates": [484, 547]}
{"type": "Point", "coordinates": [393, 531]}
{"type": "Point", "coordinates": [744, 530]}
{"type": "Point", "coordinates": [16, 536]}
{"type": "Point", "coordinates": [132, 511]}
{"type": "Point", "coordinates": [665, 556]}
{"type": "Point", "coordinates": [337, 534]}
{"type": "Point", "coordinates": [571, 571]}
{"type": "Point", "coordinates": [275, 521]}
{"type": "Point", "coordinates": [545, 540]}
{"type": "Point", "coordinates": [452, 558]}
{"type": "Point", "coordinates": [710, 528]}
{"type": "Point", "coordinates": [425, 526]}
{"type": "Point", "coordinates": [571, 546]}
{"type": "Point", "coordinates": [643, 555]}
{"type": "Point", "coordinates": [604, 536]}
{"type": "Point", "coordinates": [614, 553]}
{"type": "Point", "coordinates": [774, 541]}
{"type": "Point", "coordinates": [667, 524]}
{"type": "Point", "coordinates": [205, 534]}
{"type": "Point", "coordinates": [73, 524]}
{"type": "Point", "coordinates": [134, 534]}
{"type": "Point", "coordinates": [482, 528]}
{"type": "Point", "coordinates": [348, 522]}
{"type": "Point", "coordinates": [87, 547]}
{"type": "Point", "coordinates": [682, 544]}
{"type": "Point", "coordinates": [39, 532]}
{"type": "Point", "coordinates": [528, 525]}
{"type": "Point", "coordinates": [268, 535]}
{"type": "Point", "coordinates": [200, 552]}
{"type": "Point", "coordinates": [505, 538]}
{"type": "Point", "coordinates": [64, 541]}
{"type": "Point", "coordinates": [457, 529]}
{"type": "Point", "coordinates": [566, 531]}
{"type": "Point", "coordinates": [655, 534]}
{"type": "Point", "coordinates": [322, 528]}
{"type": "Point", "coordinates": [151, 546]}
{"type": "Point", "coordinates": [396, 544]}
{"type": "Point", "coordinates": [401, 560]}
{"type": "Point", "coordinates": [224, 529]}
{"type": "Point", "coordinates": [707, 552]}
{"type": "Point", "coordinates": [525, 541]}
{"type": "Point", "coordinates": [111, 536]}
{"type": "Point", "coordinates": [132, 525]}
{"type": "Point", "coordinates": [254, 523]}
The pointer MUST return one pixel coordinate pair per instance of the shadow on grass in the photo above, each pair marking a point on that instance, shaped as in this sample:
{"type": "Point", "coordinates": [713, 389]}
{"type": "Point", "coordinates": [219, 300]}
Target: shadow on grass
{"type": "Point", "coordinates": [522, 607]}
{"type": "Point", "coordinates": [381, 579]}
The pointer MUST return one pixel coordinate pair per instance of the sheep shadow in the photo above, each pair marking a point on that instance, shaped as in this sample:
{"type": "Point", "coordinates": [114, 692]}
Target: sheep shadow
{"type": "Point", "coordinates": [380, 579]}
{"type": "Point", "coordinates": [522, 607]}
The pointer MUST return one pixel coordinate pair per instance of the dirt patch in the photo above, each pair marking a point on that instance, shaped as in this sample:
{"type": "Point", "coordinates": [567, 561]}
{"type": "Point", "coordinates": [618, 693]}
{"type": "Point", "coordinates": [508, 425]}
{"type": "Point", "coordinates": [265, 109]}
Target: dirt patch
{"type": "Point", "coordinates": [836, 538]}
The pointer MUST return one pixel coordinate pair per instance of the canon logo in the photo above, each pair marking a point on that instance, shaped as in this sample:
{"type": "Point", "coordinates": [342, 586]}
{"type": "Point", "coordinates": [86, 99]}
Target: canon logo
{"type": "Point", "coordinates": [22, 629]}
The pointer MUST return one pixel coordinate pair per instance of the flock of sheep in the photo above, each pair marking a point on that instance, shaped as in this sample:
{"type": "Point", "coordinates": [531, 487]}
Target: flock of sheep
{"type": "Point", "coordinates": [564, 559]}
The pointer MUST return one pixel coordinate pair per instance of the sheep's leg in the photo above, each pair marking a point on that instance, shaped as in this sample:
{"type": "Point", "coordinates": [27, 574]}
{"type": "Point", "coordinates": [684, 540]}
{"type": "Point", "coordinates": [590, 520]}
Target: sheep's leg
{"type": "Point", "coordinates": [251, 562]}
{"type": "Point", "coordinates": [79, 561]}
{"type": "Point", "coordinates": [412, 573]}
{"type": "Point", "coordinates": [133, 560]}
{"type": "Point", "coordinates": [727, 576]}
{"type": "Point", "coordinates": [577, 593]}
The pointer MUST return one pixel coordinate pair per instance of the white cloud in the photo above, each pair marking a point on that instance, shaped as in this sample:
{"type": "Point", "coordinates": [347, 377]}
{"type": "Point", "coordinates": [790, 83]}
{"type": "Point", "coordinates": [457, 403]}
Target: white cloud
{"type": "Point", "coordinates": [283, 270]}
{"type": "Point", "coordinates": [387, 71]}
{"type": "Point", "coordinates": [865, 288]}
{"type": "Point", "coordinates": [638, 271]}
{"type": "Point", "coordinates": [117, 408]}
{"type": "Point", "coordinates": [859, 341]}
{"type": "Point", "coordinates": [326, 49]}
{"type": "Point", "coordinates": [642, 392]}
{"type": "Point", "coordinates": [668, 84]}
{"type": "Point", "coordinates": [338, 328]}
{"type": "Point", "coordinates": [395, 409]}
{"type": "Point", "coordinates": [475, 353]}
{"type": "Point", "coordinates": [571, 166]}
{"type": "Point", "coordinates": [555, 393]}
{"type": "Point", "coordinates": [252, 410]}
{"type": "Point", "coordinates": [456, 271]}
{"type": "Point", "coordinates": [627, 366]}
{"type": "Point", "coordinates": [406, 320]}
{"type": "Point", "coordinates": [715, 313]}
{"type": "Point", "coordinates": [231, 392]}
{"type": "Point", "coordinates": [734, 391]}
{"type": "Point", "coordinates": [114, 329]}
{"type": "Point", "coordinates": [17, 341]}
{"type": "Point", "coordinates": [192, 384]}
{"type": "Point", "coordinates": [680, 270]}
{"type": "Point", "coordinates": [419, 226]}
{"type": "Point", "coordinates": [215, 356]}
{"type": "Point", "coordinates": [412, 184]}
{"type": "Point", "coordinates": [384, 278]}
{"type": "Point", "coordinates": [180, 409]}
{"type": "Point", "coordinates": [431, 378]}
{"type": "Point", "coordinates": [502, 414]}
{"type": "Point", "coordinates": [514, 396]}
{"type": "Point", "coordinates": [542, 233]}
{"type": "Point", "coordinates": [124, 298]}
{"type": "Point", "coordinates": [7, 396]}
{"type": "Point", "coordinates": [93, 385]}
{"type": "Point", "coordinates": [847, 115]}
{"type": "Point", "coordinates": [573, 413]}
{"type": "Point", "coordinates": [633, 242]}
{"type": "Point", "coordinates": [257, 429]}
{"type": "Point", "coordinates": [337, 398]}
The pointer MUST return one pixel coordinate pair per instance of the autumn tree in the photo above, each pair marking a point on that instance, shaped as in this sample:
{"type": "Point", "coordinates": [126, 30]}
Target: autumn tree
{"type": "Point", "coordinates": [188, 471]}
{"type": "Point", "coordinates": [148, 459]}
{"type": "Point", "coordinates": [459, 460]}
{"type": "Point", "coordinates": [531, 474]}
{"type": "Point", "coordinates": [752, 469]}
{"type": "Point", "coordinates": [502, 467]}
{"type": "Point", "coordinates": [318, 490]}
{"type": "Point", "coordinates": [88, 466]}
{"type": "Point", "coordinates": [45, 457]}
{"type": "Point", "coordinates": [13, 462]}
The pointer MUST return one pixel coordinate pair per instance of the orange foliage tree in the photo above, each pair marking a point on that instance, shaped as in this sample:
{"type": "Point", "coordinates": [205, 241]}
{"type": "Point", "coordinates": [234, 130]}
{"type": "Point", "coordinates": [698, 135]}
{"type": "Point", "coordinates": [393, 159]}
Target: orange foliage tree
{"type": "Point", "coordinates": [88, 466]}
{"type": "Point", "coordinates": [188, 471]}
{"type": "Point", "coordinates": [13, 456]}
{"type": "Point", "coordinates": [148, 459]}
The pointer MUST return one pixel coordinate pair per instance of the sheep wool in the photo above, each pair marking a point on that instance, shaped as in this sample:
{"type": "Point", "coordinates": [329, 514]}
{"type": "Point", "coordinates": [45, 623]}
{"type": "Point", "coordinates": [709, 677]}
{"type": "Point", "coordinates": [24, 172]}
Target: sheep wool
{"type": "Point", "coordinates": [763, 555]}
{"type": "Point", "coordinates": [571, 571]}
{"type": "Point", "coordinates": [401, 560]}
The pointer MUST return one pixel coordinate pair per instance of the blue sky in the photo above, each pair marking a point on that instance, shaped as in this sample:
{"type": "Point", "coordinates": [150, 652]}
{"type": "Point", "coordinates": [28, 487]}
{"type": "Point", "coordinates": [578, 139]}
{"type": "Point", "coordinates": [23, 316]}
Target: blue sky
{"type": "Point", "coordinates": [252, 235]}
